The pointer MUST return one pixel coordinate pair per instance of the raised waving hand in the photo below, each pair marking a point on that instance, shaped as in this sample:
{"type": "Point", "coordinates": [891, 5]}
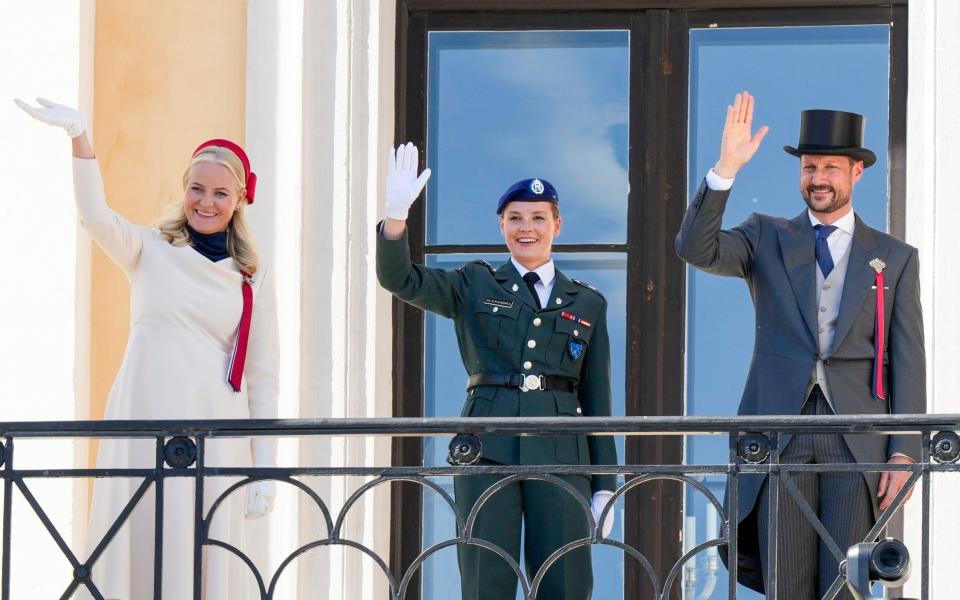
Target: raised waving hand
{"type": "Point", "coordinates": [58, 115]}
{"type": "Point", "coordinates": [739, 143]}
{"type": "Point", "coordinates": [403, 184]}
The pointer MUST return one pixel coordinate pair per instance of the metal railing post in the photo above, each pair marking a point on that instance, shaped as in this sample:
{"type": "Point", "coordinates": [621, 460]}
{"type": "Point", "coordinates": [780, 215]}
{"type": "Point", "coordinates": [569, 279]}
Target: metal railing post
{"type": "Point", "coordinates": [199, 528]}
{"type": "Point", "coordinates": [158, 521]}
{"type": "Point", "coordinates": [7, 520]}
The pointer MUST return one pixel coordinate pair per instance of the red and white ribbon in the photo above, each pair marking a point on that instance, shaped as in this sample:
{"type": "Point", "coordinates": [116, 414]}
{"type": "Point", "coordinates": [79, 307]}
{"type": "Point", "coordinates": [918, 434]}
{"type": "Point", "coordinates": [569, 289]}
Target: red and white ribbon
{"type": "Point", "coordinates": [239, 356]}
{"type": "Point", "coordinates": [878, 334]}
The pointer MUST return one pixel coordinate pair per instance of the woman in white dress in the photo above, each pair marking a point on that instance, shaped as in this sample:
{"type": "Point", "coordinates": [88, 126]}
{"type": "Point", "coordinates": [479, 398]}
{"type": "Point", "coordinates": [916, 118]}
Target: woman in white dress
{"type": "Point", "coordinates": [191, 311]}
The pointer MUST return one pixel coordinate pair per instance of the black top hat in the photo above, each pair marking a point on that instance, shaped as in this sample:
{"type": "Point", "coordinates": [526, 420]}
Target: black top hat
{"type": "Point", "coordinates": [832, 132]}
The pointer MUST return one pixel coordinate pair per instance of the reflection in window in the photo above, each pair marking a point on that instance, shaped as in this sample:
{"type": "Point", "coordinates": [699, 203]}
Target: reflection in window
{"type": "Point", "coordinates": [505, 106]}
{"type": "Point", "coordinates": [788, 69]}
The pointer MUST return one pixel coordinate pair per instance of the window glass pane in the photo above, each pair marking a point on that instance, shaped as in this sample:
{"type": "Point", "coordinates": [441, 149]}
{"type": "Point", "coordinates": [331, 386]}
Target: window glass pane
{"type": "Point", "coordinates": [788, 69]}
{"type": "Point", "coordinates": [505, 106]}
{"type": "Point", "coordinates": [445, 379]}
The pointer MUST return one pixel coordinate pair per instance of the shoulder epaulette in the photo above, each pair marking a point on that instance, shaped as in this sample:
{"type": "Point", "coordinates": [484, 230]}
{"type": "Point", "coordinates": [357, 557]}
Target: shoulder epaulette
{"type": "Point", "coordinates": [484, 263]}
{"type": "Point", "coordinates": [589, 287]}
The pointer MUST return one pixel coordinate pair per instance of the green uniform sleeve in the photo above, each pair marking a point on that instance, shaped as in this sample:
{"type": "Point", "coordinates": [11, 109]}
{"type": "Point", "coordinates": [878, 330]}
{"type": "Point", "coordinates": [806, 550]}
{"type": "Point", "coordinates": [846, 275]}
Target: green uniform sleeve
{"type": "Point", "coordinates": [437, 290]}
{"type": "Point", "coordinates": [596, 401]}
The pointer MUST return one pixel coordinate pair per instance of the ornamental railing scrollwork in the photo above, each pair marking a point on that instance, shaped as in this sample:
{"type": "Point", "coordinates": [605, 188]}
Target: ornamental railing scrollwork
{"type": "Point", "coordinates": [753, 444]}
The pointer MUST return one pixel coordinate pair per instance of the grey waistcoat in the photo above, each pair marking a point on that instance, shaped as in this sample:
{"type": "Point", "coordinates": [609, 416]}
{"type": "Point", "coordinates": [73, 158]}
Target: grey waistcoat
{"type": "Point", "coordinates": [829, 294]}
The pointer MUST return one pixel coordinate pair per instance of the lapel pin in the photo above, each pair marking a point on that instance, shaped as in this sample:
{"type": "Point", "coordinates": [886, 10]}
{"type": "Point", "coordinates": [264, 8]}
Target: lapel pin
{"type": "Point", "coordinates": [878, 265]}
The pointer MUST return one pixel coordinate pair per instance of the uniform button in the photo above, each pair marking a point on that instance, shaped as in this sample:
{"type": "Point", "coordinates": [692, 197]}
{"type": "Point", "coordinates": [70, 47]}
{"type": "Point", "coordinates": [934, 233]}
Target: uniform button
{"type": "Point", "coordinates": [826, 286]}
{"type": "Point", "coordinates": [515, 287]}
{"type": "Point", "coordinates": [531, 343]}
{"type": "Point", "coordinates": [496, 309]}
{"type": "Point", "coordinates": [559, 301]}
{"type": "Point", "coordinates": [576, 332]}
{"type": "Point", "coordinates": [527, 365]}
{"type": "Point", "coordinates": [537, 321]}
{"type": "Point", "coordinates": [579, 411]}
{"type": "Point", "coordinates": [823, 309]}
{"type": "Point", "coordinates": [820, 330]}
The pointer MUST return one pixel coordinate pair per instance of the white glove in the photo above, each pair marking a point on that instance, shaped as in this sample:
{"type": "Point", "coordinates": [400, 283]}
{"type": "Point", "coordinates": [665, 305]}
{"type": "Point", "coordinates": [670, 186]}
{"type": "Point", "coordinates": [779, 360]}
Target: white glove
{"type": "Point", "coordinates": [598, 502]}
{"type": "Point", "coordinates": [260, 497]}
{"type": "Point", "coordinates": [403, 185]}
{"type": "Point", "coordinates": [59, 115]}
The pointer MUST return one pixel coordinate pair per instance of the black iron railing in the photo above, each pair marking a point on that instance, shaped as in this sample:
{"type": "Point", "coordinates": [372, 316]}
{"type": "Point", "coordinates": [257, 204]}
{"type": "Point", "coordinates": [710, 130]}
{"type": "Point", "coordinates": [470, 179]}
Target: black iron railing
{"type": "Point", "coordinates": [753, 444]}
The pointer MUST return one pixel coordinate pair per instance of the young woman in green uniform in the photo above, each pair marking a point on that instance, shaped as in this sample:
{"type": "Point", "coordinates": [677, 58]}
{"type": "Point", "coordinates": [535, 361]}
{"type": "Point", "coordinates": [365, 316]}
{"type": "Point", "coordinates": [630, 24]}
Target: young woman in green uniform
{"type": "Point", "coordinates": [534, 344]}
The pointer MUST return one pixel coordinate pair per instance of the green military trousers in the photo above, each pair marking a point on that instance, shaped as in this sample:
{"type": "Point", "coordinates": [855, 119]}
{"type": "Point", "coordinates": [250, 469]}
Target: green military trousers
{"type": "Point", "coordinates": [551, 519]}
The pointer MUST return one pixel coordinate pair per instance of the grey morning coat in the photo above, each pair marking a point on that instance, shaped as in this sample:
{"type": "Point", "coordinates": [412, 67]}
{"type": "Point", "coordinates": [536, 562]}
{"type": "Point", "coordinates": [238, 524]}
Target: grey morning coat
{"type": "Point", "coordinates": [776, 258]}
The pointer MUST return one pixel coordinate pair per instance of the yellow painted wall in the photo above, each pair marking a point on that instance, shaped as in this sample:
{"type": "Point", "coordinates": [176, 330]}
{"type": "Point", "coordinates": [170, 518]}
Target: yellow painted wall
{"type": "Point", "coordinates": [167, 76]}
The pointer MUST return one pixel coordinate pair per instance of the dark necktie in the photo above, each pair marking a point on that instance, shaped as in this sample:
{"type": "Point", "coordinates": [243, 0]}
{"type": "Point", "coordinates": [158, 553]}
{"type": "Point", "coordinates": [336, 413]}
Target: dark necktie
{"type": "Point", "coordinates": [822, 250]}
{"type": "Point", "coordinates": [531, 278]}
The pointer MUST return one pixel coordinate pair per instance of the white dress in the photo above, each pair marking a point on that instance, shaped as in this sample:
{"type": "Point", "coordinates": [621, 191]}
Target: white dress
{"type": "Point", "coordinates": [184, 315]}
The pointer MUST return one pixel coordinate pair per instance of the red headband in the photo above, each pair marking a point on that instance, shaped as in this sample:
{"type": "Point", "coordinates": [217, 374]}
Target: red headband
{"type": "Point", "coordinates": [251, 177]}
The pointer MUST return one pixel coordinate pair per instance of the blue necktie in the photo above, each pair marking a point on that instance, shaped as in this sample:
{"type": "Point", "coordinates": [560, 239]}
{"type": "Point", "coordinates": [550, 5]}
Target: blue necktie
{"type": "Point", "coordinates": [822, 250]}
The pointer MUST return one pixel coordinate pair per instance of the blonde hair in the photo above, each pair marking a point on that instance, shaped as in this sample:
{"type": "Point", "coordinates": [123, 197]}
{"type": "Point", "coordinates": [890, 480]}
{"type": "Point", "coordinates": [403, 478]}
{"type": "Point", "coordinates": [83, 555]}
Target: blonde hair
{"type": "Point", "coordinates": [240, 245]}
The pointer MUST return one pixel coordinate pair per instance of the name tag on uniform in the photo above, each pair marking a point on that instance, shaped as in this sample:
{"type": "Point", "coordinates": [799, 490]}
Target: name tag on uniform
{"type": "Point", "coordinates": [498, 302]}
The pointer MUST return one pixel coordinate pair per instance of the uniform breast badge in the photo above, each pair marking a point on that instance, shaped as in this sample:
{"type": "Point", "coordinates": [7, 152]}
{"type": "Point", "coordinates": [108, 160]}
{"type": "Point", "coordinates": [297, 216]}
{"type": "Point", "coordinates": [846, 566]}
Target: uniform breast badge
{"type": "Point", "coordinates": [576, 349]}
{"type": "Point", "coordinates": [878, 331]}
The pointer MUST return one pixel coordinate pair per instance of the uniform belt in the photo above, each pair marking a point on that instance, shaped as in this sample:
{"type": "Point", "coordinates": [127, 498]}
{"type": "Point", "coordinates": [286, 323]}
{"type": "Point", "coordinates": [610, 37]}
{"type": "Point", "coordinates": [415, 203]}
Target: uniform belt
{"type": "Point", "coordinates": [524, 382]}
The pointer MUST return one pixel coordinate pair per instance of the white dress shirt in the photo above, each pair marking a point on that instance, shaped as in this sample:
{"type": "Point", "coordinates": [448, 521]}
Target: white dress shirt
{"type": "Point", "coordinates": [547, 273]}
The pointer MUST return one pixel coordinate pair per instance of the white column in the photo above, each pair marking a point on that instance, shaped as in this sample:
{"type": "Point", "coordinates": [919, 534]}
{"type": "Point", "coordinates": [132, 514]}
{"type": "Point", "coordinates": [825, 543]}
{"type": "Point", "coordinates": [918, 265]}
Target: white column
{"type": "Point", "coordinates": [346, 360]}
{"type": "Point", "coordinates": [319, 119]}
{"type": "Point", "coordinates": [933, 152]}
{"type": "Point", "coordinates": [274, 103]}
{"type": "Point", "coordinates": [44, 54]}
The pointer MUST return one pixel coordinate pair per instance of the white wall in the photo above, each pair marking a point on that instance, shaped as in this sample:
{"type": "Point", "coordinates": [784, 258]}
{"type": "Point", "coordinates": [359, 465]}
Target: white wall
{"type": "Point", "coordinates": [40, 303]}
{"type": "Point", "coordinates": [933, 135]}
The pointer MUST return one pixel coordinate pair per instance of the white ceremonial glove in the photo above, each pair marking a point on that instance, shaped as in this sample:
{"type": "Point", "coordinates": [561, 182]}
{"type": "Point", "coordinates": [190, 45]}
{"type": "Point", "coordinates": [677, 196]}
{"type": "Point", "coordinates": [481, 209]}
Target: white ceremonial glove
{"type": "Point", "coordinates": [403, 185]}
{"type": "Point", "coordinates": [55, 114]}
{"type": "Point", "coordinates": [597, 503]}
{"type": "Point", "coordinates": [260, 497]}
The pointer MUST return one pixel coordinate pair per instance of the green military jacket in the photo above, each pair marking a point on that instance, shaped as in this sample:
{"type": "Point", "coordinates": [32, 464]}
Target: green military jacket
{"type": "Point", "coordinates": [501, 331]}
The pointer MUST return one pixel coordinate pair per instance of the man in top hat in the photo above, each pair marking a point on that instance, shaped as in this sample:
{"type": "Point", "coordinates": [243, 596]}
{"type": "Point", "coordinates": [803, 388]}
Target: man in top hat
{"type": "Point", "coordinates": [534, 344]}
{"type": "Point", "coordinates": [821, 346]}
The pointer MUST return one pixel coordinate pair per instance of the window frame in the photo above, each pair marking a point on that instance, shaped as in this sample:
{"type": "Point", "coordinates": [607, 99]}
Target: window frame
{"type": "Point", "coordinates": [656, 278]}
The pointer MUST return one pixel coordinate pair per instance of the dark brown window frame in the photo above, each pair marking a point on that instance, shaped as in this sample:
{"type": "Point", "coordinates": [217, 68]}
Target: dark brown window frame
{"type": "Point", "coordinates": [656, 279]}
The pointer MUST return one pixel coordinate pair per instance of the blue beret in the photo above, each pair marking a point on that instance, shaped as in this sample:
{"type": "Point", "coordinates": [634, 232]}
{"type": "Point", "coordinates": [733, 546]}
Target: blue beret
{"type": "Point", "coordinates": [532, 190]}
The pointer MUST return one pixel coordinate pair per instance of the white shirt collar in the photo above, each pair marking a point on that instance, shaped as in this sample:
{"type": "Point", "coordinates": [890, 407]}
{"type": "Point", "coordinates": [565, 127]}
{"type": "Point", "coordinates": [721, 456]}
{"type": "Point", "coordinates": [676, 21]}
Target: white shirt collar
{"type": "Point", "coordinates": [546, 271]}
{"type": "Point", "coordinates": [847, 223]}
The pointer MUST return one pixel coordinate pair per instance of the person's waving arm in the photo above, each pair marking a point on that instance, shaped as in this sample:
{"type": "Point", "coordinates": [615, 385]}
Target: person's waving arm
{"type": "Point", "coordinates": [436, 290]}
{"type": "Point", "coordinates": [701, 241]}
{"type": "Point", "coordinates": [117, 236]}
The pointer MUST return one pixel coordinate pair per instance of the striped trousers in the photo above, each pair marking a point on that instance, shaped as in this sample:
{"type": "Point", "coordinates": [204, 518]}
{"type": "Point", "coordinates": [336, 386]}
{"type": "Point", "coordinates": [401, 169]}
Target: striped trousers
{"type": "Point", "coordinates": [805, 566]}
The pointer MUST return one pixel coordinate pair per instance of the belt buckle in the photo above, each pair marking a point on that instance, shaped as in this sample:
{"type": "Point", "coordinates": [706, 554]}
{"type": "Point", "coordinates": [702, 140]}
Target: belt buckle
{"type": "Point", "coordinates": [532, 382]}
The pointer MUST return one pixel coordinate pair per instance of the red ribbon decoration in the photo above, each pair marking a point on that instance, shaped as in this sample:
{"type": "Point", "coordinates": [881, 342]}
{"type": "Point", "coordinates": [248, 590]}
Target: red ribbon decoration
{"type": "Point", "coordinates": [878, 342]}
{"type": "Point", "coordinates": [239, 357]}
